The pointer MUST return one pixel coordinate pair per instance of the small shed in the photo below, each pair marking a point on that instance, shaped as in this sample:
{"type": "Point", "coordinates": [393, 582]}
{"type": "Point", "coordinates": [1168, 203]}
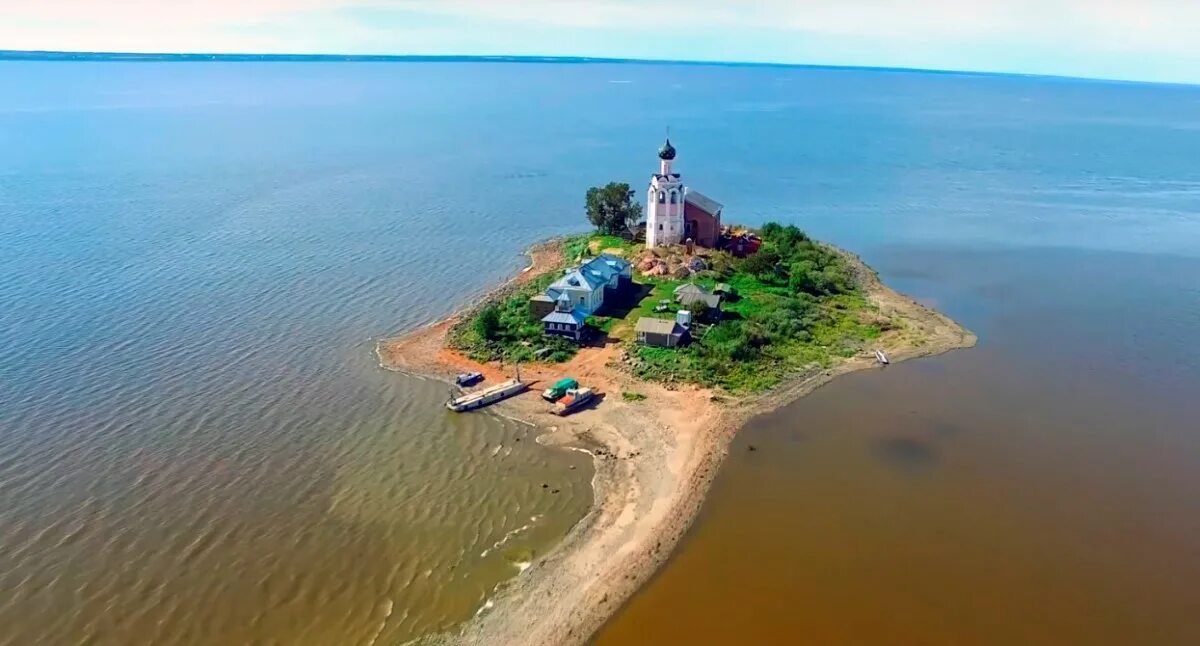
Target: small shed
{"type": "Point", "coordinates": [710, 301]}
{"type": "Point", "coordinates": [694, 296]}
{"type": "Point", "coordinates": [662, 333]}
{"type": "Point", "coordinates": [724, 289]}
{"type": "Point", "coordinates": [690, 289]}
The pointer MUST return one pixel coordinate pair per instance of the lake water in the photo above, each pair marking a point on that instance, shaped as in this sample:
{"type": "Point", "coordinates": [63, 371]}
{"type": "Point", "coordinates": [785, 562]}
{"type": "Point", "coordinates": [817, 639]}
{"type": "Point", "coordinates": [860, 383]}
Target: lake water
{"type": "Point", "coordinates": [197, 446]}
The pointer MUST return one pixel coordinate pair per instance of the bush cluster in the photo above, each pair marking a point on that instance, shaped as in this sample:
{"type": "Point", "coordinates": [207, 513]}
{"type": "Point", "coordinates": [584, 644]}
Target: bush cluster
{"type": "Point", "coordinates": [790, 258]}
{"type": "Point", "coordinates": [506, 330]}
{"type": "Point", "coordinates": [798, 304]}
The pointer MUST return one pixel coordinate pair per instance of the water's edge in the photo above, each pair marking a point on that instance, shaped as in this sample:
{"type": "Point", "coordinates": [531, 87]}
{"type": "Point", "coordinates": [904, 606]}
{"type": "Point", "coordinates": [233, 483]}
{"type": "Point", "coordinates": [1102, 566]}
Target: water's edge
{"type": "Point", "coordinates": [536, 592]}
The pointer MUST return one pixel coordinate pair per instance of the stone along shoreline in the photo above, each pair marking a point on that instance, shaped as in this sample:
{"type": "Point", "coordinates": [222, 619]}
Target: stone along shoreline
{"type": "Point", "coordinates": [655, 458]}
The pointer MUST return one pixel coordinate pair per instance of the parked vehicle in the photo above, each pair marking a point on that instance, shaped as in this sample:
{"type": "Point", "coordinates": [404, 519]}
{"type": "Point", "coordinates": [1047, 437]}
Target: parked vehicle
{"type": "Point", "coordinates": [469, 378]}
{"type": "Point", "coordinates": [559, 390]}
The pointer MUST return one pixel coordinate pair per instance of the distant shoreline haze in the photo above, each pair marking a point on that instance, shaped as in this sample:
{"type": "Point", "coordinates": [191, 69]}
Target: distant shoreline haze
{"type": "Point", "coordinates": [46, 55]}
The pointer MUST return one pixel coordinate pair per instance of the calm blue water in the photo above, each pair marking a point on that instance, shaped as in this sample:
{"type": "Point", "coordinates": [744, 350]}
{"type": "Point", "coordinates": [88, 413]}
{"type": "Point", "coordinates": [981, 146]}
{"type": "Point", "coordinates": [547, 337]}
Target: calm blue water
{"type": "Point", "coordinates": [196, 259]}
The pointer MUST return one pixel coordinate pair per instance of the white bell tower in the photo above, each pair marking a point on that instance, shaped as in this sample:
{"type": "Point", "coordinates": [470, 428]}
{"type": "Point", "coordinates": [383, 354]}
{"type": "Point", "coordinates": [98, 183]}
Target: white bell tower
{"type": "Point", "coordinates": [664, 202]}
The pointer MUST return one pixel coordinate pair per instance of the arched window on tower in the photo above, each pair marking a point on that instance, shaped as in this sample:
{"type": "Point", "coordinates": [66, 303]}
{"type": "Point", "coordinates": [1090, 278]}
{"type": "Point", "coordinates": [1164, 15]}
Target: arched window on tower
{"type": "Point", "coordinates": [662, 197]}
{"type": "Point", "coordinates": [674, 197]}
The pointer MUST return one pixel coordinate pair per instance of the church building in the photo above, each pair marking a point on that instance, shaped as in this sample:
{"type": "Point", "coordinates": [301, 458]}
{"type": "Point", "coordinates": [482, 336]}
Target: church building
{"type": "Point", "coordinates": [676, 213]}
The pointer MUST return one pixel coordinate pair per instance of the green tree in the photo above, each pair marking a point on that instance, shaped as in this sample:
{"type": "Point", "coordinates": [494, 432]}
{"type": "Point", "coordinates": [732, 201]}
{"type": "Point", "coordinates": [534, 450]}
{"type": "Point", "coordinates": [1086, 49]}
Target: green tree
{"type": "Point", "coordinates": [487, 324]}
{"type": "Point", "coordinates": [612, 209]}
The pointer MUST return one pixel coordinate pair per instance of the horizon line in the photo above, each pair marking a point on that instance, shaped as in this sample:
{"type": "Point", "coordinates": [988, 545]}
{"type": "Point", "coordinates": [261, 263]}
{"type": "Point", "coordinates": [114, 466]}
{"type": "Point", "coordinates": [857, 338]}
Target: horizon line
{"type": "Point", "coordinates": [234, 57]}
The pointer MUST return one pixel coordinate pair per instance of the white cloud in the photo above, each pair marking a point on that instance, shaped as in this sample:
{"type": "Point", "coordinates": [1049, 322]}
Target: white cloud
{"type": "Point", "coordinates": [1172, 25]}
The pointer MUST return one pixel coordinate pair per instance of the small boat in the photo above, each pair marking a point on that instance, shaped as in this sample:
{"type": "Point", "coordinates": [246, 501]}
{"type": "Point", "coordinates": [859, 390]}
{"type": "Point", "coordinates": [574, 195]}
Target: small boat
{"type": "Point", "coordinates": [559, 390]}
{"type": "Point", "coordinates": [469, 378]}
{"type": "Point", "coordinates": [575, 399]}
{"type": "Point", "coordinates": [881, 357]}
{"type": "Point", "coordinates": [489, 395]}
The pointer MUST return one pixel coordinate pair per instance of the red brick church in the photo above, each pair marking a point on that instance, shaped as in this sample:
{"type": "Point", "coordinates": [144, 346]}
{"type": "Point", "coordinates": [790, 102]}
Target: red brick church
{"type": "Point", "coordinates": [676, 213]}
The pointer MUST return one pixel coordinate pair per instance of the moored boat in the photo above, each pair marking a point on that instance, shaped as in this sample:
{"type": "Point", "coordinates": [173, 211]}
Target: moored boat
{"type": "Point", "coordinates": [574, 399]}
{"type": "Point", "coordinates": [469, 378]}
{"type": "Point", "coordinates": [490, 395]}
{"type": "Point", "coordinates": [881, 357]}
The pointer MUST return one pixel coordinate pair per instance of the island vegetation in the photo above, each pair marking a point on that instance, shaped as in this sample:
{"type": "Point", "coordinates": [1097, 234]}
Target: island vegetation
{"type": "Point", "coordinates": [794, 305]}
{"type": "Point", "coordinates": [794, 313]}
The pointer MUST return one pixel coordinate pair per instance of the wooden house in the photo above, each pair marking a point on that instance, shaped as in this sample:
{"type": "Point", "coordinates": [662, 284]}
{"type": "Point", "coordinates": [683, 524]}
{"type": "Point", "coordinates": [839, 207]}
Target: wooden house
{"type": "Point", "coordinates": [661, 333]}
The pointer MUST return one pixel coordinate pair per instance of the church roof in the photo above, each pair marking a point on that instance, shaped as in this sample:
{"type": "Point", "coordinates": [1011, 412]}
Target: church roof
{"type": "Point", "coordinates": [667, 151]}
{"type": "Point", "coordinates": [706, 203]}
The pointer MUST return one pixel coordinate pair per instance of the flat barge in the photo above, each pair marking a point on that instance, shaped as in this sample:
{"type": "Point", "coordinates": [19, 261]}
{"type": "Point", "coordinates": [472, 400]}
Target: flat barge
{"type": "Point", "coordinates": [489, 395]}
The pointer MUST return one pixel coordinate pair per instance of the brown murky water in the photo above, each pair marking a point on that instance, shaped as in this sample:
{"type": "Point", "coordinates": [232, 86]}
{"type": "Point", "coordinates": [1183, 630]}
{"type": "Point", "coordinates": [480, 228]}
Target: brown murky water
{"type": "Point", "coordinates": [197, 447]}
{"type": "Point", "coordinates": [1043, 488]}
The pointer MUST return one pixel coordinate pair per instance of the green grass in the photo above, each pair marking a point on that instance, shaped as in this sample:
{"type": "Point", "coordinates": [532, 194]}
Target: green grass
{"type": "Point", "coordinates": [631, 396]}
{"type": "Point", "coordinates": [589, 244]}
{"type": "Point", "coordinates": [601, 242]}
{"type": "Point", "coordinates": [800, 313]}
{"type": "Point", "coordinates": [602, 323]}
{"type": "Point", "coordinates": [519, 336]}
{"type": "Point", "coordinates": [662, 289]}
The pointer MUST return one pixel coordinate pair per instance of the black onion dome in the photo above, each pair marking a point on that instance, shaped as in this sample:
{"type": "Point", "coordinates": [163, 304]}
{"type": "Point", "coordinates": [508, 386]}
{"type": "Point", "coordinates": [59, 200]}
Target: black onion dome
{"type": "Point", "coordinates": [667, 151]}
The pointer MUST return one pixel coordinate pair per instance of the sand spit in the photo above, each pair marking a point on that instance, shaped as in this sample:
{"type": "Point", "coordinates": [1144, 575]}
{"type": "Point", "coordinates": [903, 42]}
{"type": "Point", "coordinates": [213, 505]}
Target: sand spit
{"type": "Point", "coordinates": [655, 460]}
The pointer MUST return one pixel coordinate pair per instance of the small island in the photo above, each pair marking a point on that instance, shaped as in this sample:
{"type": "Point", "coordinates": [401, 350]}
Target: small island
{"type": "Point", "coordinates": [685, 327]}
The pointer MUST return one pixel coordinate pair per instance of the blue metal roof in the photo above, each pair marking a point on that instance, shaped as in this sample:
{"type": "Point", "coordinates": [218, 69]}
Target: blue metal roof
{"type": "Point", "coordinates": [591, 275]}
{"type": "Point", "coordinates": [577, 279]}
{"type": "Point", "coordinates": [574, 317]}
{"type": "Point", "coordinates": [609, 263]}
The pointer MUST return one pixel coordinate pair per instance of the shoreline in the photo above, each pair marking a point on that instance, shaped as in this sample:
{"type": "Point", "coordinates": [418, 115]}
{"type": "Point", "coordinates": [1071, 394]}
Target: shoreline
{"type": "Point", "coordinates": [654, 459]}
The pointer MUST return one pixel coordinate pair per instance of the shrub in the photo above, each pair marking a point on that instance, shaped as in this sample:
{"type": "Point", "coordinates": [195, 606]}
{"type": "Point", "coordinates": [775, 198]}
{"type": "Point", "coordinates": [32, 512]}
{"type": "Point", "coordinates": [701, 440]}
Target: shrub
{"type": "Point", "coordinates": [762, 264]}
{"type": "Point", "coordinates": [487, 324]}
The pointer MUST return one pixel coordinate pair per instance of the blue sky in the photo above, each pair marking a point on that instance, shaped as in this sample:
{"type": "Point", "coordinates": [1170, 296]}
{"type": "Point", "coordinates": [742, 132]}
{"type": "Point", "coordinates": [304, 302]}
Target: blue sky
{"type": "Point", "coordinates": [1151, 40]}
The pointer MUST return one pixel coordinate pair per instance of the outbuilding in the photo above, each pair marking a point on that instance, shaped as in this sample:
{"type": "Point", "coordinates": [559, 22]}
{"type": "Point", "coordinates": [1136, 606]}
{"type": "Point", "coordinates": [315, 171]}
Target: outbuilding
{"type": "Point", "coordinates": [694, 296]}
{"type": "Point", "coordinates": [662, 333]}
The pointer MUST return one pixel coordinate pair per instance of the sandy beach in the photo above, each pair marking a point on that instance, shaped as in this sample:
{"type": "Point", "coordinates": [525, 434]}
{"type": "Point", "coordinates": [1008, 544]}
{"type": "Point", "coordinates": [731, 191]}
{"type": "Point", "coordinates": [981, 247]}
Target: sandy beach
{"type": "Point", "coordinates": [655, 460]}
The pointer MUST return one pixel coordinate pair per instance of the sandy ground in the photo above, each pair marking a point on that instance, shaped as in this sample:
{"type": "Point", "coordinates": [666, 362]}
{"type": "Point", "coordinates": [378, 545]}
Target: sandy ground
{"type": "Point", "coordinates": [655, 460]}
